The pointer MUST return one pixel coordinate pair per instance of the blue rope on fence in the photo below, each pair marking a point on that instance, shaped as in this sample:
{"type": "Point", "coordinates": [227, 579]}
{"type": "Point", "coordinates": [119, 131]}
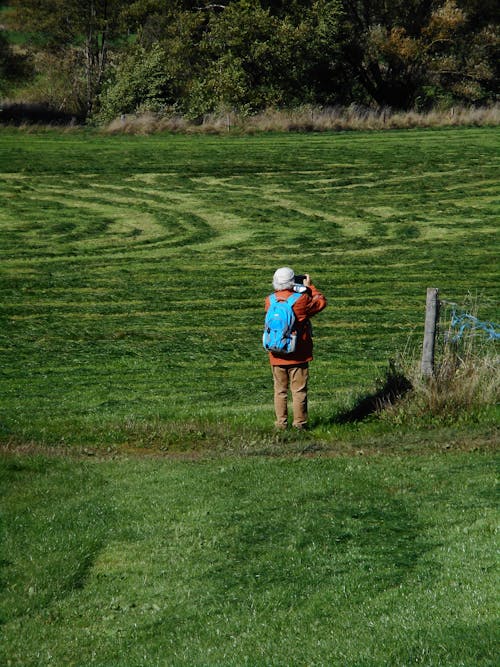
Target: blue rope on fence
{"type": "Point", "coordinates": [465, 321]}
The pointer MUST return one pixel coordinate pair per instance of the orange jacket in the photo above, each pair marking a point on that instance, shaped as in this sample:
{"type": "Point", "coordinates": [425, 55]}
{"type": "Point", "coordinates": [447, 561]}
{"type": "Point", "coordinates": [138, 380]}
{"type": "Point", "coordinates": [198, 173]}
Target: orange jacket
{"type": "Point", "coordinates": [309, 303]}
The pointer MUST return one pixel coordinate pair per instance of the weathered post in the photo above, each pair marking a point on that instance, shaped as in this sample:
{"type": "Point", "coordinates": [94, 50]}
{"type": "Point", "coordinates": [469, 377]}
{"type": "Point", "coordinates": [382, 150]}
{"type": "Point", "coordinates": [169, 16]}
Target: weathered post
{"type": "Point", "coordinates": [431, 320]}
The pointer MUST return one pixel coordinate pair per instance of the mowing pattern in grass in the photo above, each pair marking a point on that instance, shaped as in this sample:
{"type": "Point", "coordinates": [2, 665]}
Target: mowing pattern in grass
{"type": "Point", "coordinates": [383, 561]}
{"type": "Point", "coordinates": [133, 270]}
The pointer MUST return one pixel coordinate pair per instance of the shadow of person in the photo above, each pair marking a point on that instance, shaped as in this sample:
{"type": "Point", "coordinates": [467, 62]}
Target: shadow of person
{"type": "Point", "coordinates": [394, 387]}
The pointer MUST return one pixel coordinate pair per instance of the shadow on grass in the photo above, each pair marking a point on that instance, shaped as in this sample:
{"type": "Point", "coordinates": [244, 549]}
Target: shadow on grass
{"type": "Point", "coordinates": [391, 389]}
{"type": "Point", "coordinates": [37, 114]}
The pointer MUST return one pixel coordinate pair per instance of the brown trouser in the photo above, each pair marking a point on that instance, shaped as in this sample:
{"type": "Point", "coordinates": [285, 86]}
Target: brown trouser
{"type": "Point", "coordinates": [296, 378]}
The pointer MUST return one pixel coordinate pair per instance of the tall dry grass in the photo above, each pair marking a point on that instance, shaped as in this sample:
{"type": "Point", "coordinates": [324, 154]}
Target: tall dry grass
{"type": "Point", "coordinates": [466, 377]}
{"type": "Point", "coordinates": [306, 119]}
{"type": "Point", "coordinates": [462, 383]}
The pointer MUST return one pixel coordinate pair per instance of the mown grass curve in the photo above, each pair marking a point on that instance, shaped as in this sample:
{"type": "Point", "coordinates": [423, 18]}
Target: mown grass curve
{"type": "Point", "coordinates": [134, 269]}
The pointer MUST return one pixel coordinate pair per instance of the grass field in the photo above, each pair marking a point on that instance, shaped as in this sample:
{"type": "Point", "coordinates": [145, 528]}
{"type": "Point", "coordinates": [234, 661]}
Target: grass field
{"type": "Point", "coordinates": [133, 270]}
{"type": "Point", "coordinates": [343, 561]}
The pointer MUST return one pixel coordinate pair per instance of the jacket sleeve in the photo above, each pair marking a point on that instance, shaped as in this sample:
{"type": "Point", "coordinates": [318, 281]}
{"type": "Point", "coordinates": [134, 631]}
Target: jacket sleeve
{"type": "Point", "coordinates": [309, 304]}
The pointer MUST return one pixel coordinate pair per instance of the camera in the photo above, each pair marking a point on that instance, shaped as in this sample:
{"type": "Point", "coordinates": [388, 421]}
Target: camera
{"type": "Point", "coordinates": [299, 283]}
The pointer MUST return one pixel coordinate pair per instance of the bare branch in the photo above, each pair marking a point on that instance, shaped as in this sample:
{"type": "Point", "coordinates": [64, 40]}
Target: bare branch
{"type": "Point", "coordinates": [200, 9]}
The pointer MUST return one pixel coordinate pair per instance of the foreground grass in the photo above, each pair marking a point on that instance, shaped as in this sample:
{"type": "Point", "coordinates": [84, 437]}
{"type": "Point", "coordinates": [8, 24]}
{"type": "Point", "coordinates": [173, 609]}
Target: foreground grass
{"type": "Point", "coordinates": [133, 271]}
{"type": "Point", "coordinates": [345, 561]}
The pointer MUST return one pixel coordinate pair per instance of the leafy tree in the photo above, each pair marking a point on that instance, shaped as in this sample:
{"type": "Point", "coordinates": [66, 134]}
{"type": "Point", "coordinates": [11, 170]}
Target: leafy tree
{"type": "Point", "coordinates": [140, 83]}
{"type": "Point", "coordinates": [14, 66]}
{"type": "Point", "coordinates": [325, 72]}
{"type": "Point", "coordinates": [87, 26]}
{"type": "Point", "coordinates": [479, 49]}
{"type": "Point", "coordinates": [200, 56]}
{"type": "Point", "coordinates": [241, 49]}
{"type": "Point", "coordinates": [380, 52]}
{"type": "Point", "coordinates": [418, 50]}
{"type": "Point", "coordinates": [480, 13]}
{"type": "Point", "coordinates": [256, 59]}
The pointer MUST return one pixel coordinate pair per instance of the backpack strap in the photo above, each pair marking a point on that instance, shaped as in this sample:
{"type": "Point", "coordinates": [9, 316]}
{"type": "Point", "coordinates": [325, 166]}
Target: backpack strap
{"type": "Point", "coordinates": [294, 297]}
{"type": "Point", "coordinates": [291, 299]}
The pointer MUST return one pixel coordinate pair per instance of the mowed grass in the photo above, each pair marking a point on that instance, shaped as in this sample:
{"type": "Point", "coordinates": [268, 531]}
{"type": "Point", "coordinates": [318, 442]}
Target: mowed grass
{"type": "Point", "coordinates": [133, 271]}
{"type": "Point", "coordinates": [341, 561]}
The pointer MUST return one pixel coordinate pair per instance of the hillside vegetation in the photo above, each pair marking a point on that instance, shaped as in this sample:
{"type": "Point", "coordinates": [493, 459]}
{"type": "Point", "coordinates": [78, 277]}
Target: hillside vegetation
{"type": "Point", "coordinates": [98, 60]}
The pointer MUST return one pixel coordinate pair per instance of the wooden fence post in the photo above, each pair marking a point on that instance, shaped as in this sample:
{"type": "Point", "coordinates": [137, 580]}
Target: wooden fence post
{"type": "Point", "coordinates": [431, 320]}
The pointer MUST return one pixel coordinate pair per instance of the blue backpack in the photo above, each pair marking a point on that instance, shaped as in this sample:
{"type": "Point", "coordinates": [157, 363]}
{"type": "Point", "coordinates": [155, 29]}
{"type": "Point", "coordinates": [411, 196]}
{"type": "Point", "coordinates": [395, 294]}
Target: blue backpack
{"type": "Point", "coordinates": [279, 335]}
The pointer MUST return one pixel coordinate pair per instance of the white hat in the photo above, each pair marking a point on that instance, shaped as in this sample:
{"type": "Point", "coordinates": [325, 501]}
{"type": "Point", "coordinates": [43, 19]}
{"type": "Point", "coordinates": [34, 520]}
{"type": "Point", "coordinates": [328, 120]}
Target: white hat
{"type": "Point", "coordinates": [283, 278]}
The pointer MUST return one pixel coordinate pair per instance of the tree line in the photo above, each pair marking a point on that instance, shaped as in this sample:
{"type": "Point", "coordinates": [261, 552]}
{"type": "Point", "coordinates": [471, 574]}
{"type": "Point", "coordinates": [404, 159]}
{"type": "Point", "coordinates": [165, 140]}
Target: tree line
{"type": "Point", "coordinates": [103, 58]}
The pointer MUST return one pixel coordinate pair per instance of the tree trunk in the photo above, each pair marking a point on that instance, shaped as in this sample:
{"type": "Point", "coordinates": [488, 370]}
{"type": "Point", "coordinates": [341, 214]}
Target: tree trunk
{"type": "Point", "coordinates": [95, 53]}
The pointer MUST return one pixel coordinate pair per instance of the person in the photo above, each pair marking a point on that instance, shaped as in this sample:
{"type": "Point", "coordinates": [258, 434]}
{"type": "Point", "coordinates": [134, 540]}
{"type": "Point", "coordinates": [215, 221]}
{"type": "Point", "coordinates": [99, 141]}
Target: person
{"type": "Point", "coordinates": [291, 371]}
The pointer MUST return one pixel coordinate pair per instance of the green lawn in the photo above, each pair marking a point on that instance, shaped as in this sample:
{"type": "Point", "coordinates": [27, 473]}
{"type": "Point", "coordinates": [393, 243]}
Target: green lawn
{"type": "Point", "coordinates": [133, 270]}
{"type": "Point", "coordinates": [141, 523]}
{"type": "Point", "coordinates": [344, 561]}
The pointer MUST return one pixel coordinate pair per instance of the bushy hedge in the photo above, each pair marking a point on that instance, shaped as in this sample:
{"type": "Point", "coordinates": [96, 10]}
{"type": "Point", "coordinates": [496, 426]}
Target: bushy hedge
{"type": "Point", "coordinates": [198, 58]}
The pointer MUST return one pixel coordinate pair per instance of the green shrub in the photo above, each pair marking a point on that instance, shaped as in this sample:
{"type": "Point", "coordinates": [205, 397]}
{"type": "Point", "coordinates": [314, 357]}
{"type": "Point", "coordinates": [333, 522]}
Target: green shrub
{"type": "Point", "coordinates": [140, 82]}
